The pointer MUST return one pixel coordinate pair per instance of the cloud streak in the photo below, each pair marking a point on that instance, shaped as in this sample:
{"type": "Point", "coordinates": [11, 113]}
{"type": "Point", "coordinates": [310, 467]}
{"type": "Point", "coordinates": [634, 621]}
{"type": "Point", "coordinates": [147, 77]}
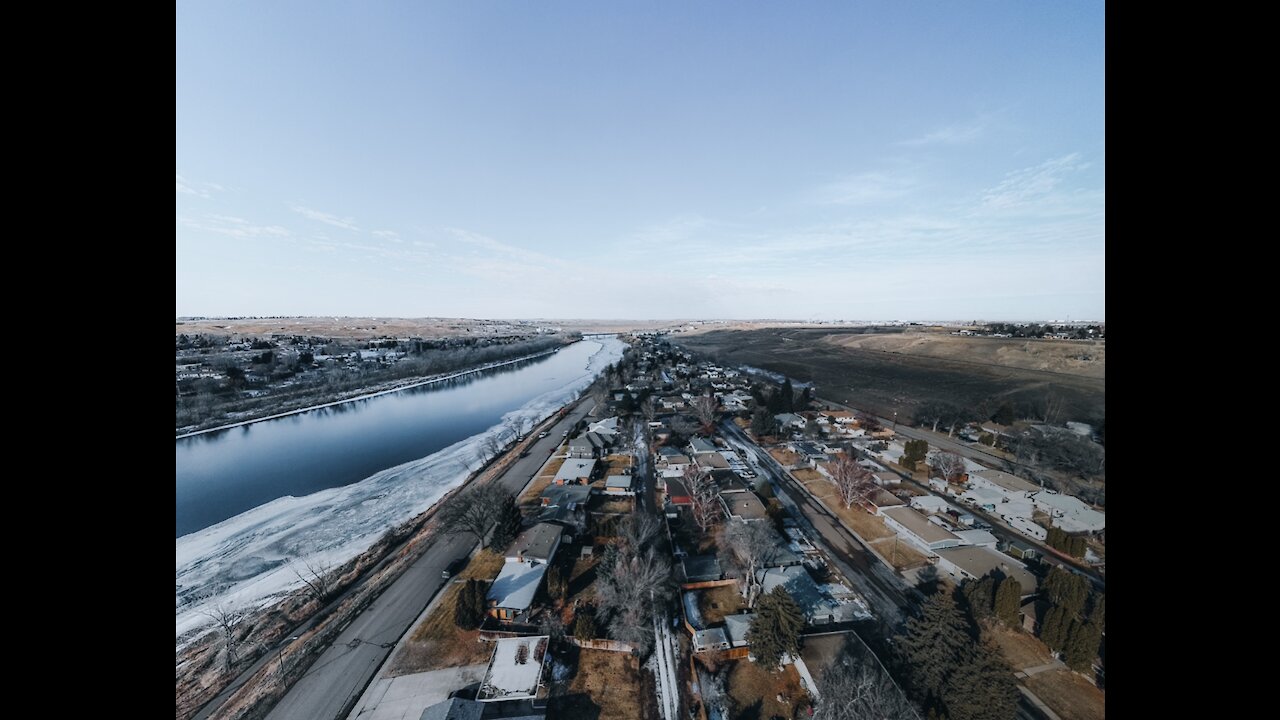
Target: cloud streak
{"type": "Point", "coordinates": [1027, 184]}
{"type": "Point", "coordinates": [346, 223]}
{"type": "Point", "coordinates": [957, 134]}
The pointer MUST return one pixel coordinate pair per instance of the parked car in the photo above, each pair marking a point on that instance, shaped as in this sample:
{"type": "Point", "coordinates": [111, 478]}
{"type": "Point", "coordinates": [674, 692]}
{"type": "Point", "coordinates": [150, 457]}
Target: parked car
{"type": "Point", "coordinates": [454, 568]}
{"type": "Point", "coordinates": [543, 434]}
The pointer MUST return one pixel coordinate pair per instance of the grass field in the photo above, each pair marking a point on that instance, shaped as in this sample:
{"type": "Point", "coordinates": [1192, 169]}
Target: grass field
{"type": "Point", "coordinates": [888, 372]}
{"type": "Point", "coordinates": [868, 526]}
{"type": "Point", "coordinates": [1069, 695]}
{"type": "Point", "coordinates": [437, 642]}
{"type": "Point", "coordinates": [606, 686]}
{"type": "Point", "coordinates": [1020, 649]}
{"type": "Point", "coordinates": [903, 557]}
{"type": "Point", "coordinates": [754, 691]}
{"type": "Point", "coordinates": [717, 602]}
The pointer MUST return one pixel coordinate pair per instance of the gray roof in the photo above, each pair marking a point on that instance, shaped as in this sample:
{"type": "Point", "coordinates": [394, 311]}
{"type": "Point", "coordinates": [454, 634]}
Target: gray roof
{"type": "Point", "coordinates": [701, 445]}
{"type": "Point", "coordinates": [538, 542]}
{"type": "Point", "coordinates": [744, 505]}
{"type": "Point", "coordinates": [710, 638]}
{"type": "Point", "coordinates": [667, 450]}
{"type": "Point", "coordinates": [516, 585]}
{"type": "Point", "coordinates": [797, 582]}
{"type": "Point", "coordinates": [453, 709]}
{"type": "Point", "coordinates": [564, 515]}
{"type": "Point", "coordinates": [736, 626]}
{"type": "Point", "coordinates": [979, 561]}
{"type": "Point", "coordinates": [566, 494]}
{"type": "Point", "coordinates": [574, 469]}
{"type": "Point", "coordinates": [618, 481]}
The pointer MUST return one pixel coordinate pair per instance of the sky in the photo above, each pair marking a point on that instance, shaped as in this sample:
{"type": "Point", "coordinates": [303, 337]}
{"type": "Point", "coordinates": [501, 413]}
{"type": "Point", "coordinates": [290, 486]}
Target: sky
{"type": "Point", "coordinates": [642, 160]}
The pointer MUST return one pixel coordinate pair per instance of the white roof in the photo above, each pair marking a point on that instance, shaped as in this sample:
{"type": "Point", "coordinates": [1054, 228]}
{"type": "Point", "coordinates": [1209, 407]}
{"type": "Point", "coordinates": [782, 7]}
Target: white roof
{"type": "Point", "coordinates": [736, 626]}
{"type": "Point", "coordinates": [618, 481]}
{"type": "Point", "coordinates": [516, 585]}
{"type": "Point", "coordinates": [983, 496]}
{"type": "Point", "coordinates": [929, 502]}
{"type": "Point", "coordinates": [975, 537]}
{"type": "Point", "coordinates": [1076, 515]}
{"type": "Point", "coordinates": [509, 679]}
{"type": "Point", "coordinates": [575, 468]}
{"type": "Point", "coordinates": [608, 426]}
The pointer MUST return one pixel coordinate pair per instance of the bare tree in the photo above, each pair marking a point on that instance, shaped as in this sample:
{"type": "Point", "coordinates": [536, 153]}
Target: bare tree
{"type": "Point", "coordinates": [473, 510]}
{"type": "Point", "coordinates": [225, 617]}
{"type": "Point", "coordinates": [948, 465]}
{"type": "Point", "coordinates": [1053, 404]}
{"type": "Point", "coordinates": [319, 578]}
{"type": "Point", "coordinates": [628, 590]}
{"type": "Point", "coordinates": [490, 447]}
{"type": "Point", "coordinates": [649, 408]}
{"type": "Point", "coordinates": [860, 688]}
{"type": "Point", "coordinates": [853, 482]}
{"type": "Point", "coordinates": [600, 394]}
{"type": "Point", "coordinates": [754, 545]}
{"type": "Point", "coordinates": [705, 408]}
{"type": "Point", "coordinates": [681, 426]}
{"type": "Point", "coordinates": [637, 531]}
{"type": "Point", "coordinates": [705, 496]}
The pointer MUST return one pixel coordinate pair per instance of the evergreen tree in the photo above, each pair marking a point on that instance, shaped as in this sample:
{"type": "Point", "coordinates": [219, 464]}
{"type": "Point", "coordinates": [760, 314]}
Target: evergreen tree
{"type": "Point", "coordinates": [776, 628]}
{"type": "Point", "coordinates": [981, 689]}
{"type": "Point", "coordinates": [557, 583]}
{"type": "Point", "coordinates": [1053, 630]}
{"type": "Point", "coordinates": [1004, 414]}
{"type": "Point", "coordinates": [933, 645]}
{"type": "Point", "coordinates": [1098, 613]}
{"type": "Point", "coordinates": [584, 626]}
{"type": "Point", "coordinates": [508, 524]}
{"type": "Point", "coordinates": [761, 422]}
{"type": "Point", "coordinates": [468, 611]}
{"type": "Point", "coordinates": [1066, 589]}
{"type": "Point", "coordinates": [1008, 597]}
{"type": "Point", "coordinates": [806, 397]}
{"type": "Point", "coordinates": [788, 396]}
{"type": "Point", "coordinates": [774, 403]}
{"type": "Point", "coordinates": [1078, 546]}
{"type": "Point", "coordinates": [1054, 538]}
{"type": "Point", "coordinates": [979, 595]}
{"type": "Point", "coordinates": [1082, 646]}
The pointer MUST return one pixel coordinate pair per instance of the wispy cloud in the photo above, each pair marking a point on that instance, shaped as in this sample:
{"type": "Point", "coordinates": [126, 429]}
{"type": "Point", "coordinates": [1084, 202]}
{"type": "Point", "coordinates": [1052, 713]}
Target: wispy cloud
{"type": "Point", "coordinates": [388, 234]}
{"type": "Point", "coordinates": [1021, 186]}
{"type": "Point", "coordinates": [346, 223]}
{"type": "Point", "coordinates": [188, 187]}
{"type": "Point", "coordinates": [957, 134]}
{"type": "Point", "coordinates": [234, 226]}
{"type": "Point", "coordinates": [865, 189]}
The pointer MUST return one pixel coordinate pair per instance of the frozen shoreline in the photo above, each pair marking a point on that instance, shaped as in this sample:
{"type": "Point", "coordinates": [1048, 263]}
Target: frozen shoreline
{"type": "Point", "coordinates": [245, 560]}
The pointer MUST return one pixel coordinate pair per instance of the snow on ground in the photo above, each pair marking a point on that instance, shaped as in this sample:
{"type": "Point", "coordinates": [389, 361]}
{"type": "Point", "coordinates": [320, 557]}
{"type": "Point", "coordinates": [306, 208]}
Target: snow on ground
{"type": "Point", "coordinates": [247, 561]}
{"type": "Point", "coordinates": [691, 609]}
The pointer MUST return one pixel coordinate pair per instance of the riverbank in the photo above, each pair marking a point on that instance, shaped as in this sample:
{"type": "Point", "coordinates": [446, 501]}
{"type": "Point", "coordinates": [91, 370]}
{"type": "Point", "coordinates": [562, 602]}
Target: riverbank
{"type": "Point", "coordinates": [201, 676]}
{"type": "Point", "coordinates": [383, 388]}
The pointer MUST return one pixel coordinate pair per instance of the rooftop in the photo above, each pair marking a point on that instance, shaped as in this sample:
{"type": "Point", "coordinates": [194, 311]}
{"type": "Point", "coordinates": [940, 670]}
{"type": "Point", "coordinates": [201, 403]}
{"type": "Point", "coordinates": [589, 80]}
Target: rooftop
{"type": "Point", "coordinates": [736, 626]}
{"type": "Point", "coordinates": [1009, 482]}
{"type": "Point", "coordinates": [975, 537]}
{"type": "Point", "coordinates": [702, 445]}
{"type": "Point", "coordinates": [515, 671]}
{"type": "Point", "coordinates": [700, 568]}
{"type": "Point", "coordinates": [744, 506]}
{"type": "Point", "coordinates": [709, 639]}
{"type": "Point", "coordinates": [516, 585]}
{"type": "Point", "coordinates": [618, 481]}
{"type": "Point", "coordinates": [566, 494]}
{"type": "Point", "coordinates": [538, 542]}
{"type": "Point", "coordinates": [575, 469]}
{"type": "Point", "coordinates": [978, 561]}
{"type": "Point", "coordinates": [454, 708]}
{"type": "Point", "coordinates": [918, 525]}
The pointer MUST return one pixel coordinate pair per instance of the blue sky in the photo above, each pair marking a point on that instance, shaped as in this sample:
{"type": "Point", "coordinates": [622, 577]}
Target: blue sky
{"type": "Point", "coordinates": [914, 160]}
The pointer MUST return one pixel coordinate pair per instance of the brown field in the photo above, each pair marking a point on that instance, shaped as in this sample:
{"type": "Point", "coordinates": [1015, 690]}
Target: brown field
{"type": "Point", "coordinates": [1022, 650]}
{"type": "Point", "coordinates": [438, 642]}
{"type": "Point", "coordinates": [903, 557]}
{"type": "Point", "coordinates": [883, 372]}
{"type": "Point", "coordinates": [868, 526]}
{"type": "Point", "coordinates": [1069, 695]}
{"type": "Point", "coordinates": [714, 603]}
{"type": "Point", "coordinates": [363, 328]}
{"type": "Point", "coordinates": [784, 457]}
{"type": "Point", "coordinates": [606, 686]}
{"type": "Point", "coordinates": [754, 691]}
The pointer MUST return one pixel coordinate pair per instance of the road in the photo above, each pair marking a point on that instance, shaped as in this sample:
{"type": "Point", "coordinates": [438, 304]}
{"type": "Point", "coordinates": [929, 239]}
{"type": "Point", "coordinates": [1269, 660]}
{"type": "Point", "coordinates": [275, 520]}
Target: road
{"type": "Point", "coordinates": [334, 683]}
{"type": "Point", "coordinates": [886, 593]}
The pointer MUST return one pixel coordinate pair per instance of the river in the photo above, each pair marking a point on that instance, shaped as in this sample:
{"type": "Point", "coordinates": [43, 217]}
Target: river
{"type": "Point", "coordinates": [324, 485]}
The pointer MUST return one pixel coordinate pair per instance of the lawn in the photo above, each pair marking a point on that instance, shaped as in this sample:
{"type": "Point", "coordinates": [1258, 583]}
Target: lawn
{"type": "Point", "coordinates": [867, 526]}
{"type": "Point", "coordinates": [754, 692]}
{"type": "Point", "coordinates": [1069, 695]}
{"type": "Point", "coordinates": [784, 457]}
{"type": "Point", "coordinates": [808, 475]}
{"type": "Point", "coordinates": [437, 642]}
{"type": "Point", "coordinates": [530, 496]}
{"type": "Point", "coordinates": [904, 557]}
{"type": "Point", "coordinates": [607, 685]}
{"type": "Point", "coordinates": [714, 603]}
{"type": "Point", "coordinates": [1020, 649]}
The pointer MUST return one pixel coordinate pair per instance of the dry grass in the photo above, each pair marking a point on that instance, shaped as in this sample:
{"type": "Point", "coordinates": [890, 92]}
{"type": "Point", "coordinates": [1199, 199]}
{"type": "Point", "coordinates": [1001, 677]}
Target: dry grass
{"type": "Point", "coordinates": [610, 504]}
{"type": "Point", "coordinates": [749, 684]}
{"type": "Point", "coordinates": [1069, 695]}
{"type": "Point", "coordinates": [717, 602]}
{"type": "Point", "coordinates": [438, 642]}
{"type": "Point", "coordinates": [610, 681]}
{"type": "Point", "coordinates": [784, 456]}
{"type": "Point", "coordinates": [553, 466]}
{"type": "Point", "coordinates": [617, 464]}
{"type": "Point", "coordinates": [904, 557]}
{"type": "Point", "coordinates": [1020, 649]}
{"type": "Point", "coordinates": [808, 475]}
{"type": "Point", "coordinates": [869, 527]}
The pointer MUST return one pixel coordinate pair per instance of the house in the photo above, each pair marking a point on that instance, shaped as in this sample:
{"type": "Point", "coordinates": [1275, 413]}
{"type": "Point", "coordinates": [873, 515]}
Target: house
{"type": "Point", "coordinates": [699, 445]}
{"type": "Point", "coordinates": [677, 493]}
{"type": "Point", "coordinates": [983, 498]}
{"type": "Point", "coordinates": [589, 445]}
{"type": "Point", "coordinates": [516, 670]}
{"type": "Point", "coordinates": [671, 402]}
{"type": "Point", "coordinates": [928, 503]}
{"type": "Point", "coordinates": [977, 538]}
{"type": "Point", "coordinates": [886, 478]}
{"type": "Point", "coordinates": [817, 607]}
{"type": "Point", "coordinates": [840, 417]}
{"type": "Point", "coordinates": [1069, 512]}
{"type": "Point", "coordinates": [618, 485]}
{"type": "Point", "coordinates": [1021, 550]}
{"type": "Point", "coordinates": [709, 639]}
{"type": "Point", "coordinates": [736, 627]}
{"type": "Point", "coordinates": [571, 517]}
{"type": "Point", "coordinates": [711, 461]}
{"type": "Point", "coordinates": [511, 594]}
{"type": "Point", "coordinates": [539, 543]}
{"type": "Point", "coordinates": [565, 495]}
{"type": "Point", "coordinates": [810, 452]}
{"type": "Point", "coordinates": [575, 470]}
{"type": "Point", "coordinates": [743, 507]}
{"type": "Point", "coordinates": [455, 708]}
{"type": "Point", "coordinates": [791, 420]}
{"type": "Point", "coordinates": [606, 428]}
{"type": "Point", "coordinates": [882, 434]}
{"type": "Point", "coordinates": [880, 500]}
{"type": "Point", "coordinates": [1027, 527]}
{"type": "Point", "coordinates": [917, 529]}
{"type": "Point", "coordinates": [974, 562]}
{"type": "Point", "coordinates": [1011, 486]}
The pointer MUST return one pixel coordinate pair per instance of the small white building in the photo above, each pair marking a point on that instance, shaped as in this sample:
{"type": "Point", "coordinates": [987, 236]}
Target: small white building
{"type": "Point", "coordinates": [929, 503]}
